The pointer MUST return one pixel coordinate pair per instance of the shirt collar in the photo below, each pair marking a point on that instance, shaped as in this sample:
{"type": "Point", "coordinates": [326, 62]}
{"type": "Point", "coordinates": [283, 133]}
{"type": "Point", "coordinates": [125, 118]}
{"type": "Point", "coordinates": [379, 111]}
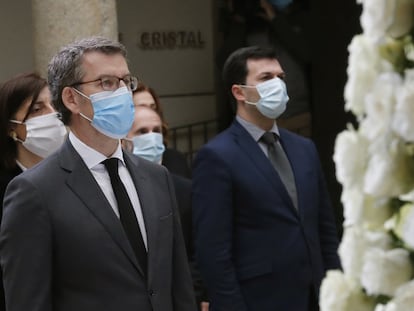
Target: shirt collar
{"type": "Point", "coordinates": [255, 131]}
{"type": "Point", "coordinates": [90, 156]}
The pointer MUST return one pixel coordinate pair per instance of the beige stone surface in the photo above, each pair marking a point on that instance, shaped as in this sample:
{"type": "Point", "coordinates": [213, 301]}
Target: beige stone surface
{"type": "Point", "coordinates": [59, 22]}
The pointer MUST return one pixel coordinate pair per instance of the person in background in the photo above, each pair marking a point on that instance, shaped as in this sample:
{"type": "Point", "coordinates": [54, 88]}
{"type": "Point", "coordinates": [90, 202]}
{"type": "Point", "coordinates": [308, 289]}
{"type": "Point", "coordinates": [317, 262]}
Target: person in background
{"type": "Point", "coordinates": [84, 229]}
{"type": "Point", "coordinates": [172, 159]}
{"type": "Point", "coordinates": [145, 139]}
{"type": "Point", "coordinates": [30, 130]}
{"type": "Point", "coordinates": [285, 26]}
{"type": "Point", "coordinates": [264, 230]}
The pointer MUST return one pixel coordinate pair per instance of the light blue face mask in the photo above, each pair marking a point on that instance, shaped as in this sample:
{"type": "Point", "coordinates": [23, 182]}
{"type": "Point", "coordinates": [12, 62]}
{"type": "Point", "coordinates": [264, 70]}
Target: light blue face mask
{"type": "Point", "coordinates": [273, 97]}
{"type": "Point", "coordinates": [113, 112]}
{"type": "Point", "coordinates": [149, 146]}
{"type": "Point", "coordinates": [281, 4]}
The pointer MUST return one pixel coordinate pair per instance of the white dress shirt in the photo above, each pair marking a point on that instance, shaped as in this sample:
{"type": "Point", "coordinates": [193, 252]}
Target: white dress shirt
{"type": "Point", "coordinates": [93, 159]}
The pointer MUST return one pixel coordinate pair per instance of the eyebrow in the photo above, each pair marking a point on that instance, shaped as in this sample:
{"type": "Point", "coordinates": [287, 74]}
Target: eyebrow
{"type": "Point", "coordinates": [268, 73]}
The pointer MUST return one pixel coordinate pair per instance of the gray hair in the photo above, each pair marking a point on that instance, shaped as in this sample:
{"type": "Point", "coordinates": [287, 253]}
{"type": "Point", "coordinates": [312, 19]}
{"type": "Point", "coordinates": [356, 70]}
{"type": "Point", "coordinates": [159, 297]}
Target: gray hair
{"type": "Point", "coordinates": [65, 68]}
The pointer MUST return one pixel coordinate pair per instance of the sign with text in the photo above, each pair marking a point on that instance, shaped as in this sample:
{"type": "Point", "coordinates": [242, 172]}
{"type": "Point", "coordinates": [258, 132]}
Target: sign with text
{"type": "Point", "coordinates": [179, 39]}
{"type": "Point", "coordinates": [170, 44]}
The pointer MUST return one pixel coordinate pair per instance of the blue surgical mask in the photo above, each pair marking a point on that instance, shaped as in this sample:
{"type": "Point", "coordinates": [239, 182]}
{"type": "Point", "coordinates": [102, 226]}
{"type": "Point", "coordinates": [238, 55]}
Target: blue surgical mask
{"type": "Point", "coordinates": [281, 4]}
{"type": "Point", "coordinates": [149, 146]}
{"type": "Point", "coordinates": [113, 112]}
{"type": "Point", "coordinates": [273, 97]}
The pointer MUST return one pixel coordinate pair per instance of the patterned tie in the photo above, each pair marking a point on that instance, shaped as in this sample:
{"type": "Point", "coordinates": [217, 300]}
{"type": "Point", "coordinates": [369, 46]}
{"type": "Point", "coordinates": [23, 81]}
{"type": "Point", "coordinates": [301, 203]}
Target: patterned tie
{"type": "Point", "coordinates": [281, 164]}
{"type": "Point", "coordinates": [126, 213]}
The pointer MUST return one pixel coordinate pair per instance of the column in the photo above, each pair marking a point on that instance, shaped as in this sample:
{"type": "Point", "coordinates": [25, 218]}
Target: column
{"type": "Point", "coordinates": [59, 22]}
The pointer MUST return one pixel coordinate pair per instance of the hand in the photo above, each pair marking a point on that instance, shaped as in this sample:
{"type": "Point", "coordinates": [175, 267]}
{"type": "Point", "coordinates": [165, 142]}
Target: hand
{"type": "Point", "coordinates": [204, 305]}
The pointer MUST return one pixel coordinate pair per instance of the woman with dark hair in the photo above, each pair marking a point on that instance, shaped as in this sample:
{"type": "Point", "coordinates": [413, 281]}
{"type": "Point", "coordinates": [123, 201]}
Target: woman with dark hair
{"type": "Point", "coordinates": [172, 159]}
{"type": "Point", "coordinates": [30, 129]}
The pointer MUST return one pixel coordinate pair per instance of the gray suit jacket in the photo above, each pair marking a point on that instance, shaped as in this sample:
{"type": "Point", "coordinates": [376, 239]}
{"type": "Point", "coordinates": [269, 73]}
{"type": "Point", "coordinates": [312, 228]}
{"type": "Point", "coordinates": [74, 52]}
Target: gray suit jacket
{"type": "Point", "coordinates": [62, 247]}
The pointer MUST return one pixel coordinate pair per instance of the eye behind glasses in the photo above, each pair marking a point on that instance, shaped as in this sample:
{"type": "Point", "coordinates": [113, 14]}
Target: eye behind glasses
{"type": "Point", "coordinates": [112, 83]}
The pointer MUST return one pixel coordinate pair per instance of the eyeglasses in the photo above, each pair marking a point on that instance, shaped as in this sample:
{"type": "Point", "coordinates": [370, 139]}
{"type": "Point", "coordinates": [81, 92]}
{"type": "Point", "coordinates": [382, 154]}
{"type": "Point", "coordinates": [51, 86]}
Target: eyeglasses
{"type": "Point", "coordinates": [112, 83]}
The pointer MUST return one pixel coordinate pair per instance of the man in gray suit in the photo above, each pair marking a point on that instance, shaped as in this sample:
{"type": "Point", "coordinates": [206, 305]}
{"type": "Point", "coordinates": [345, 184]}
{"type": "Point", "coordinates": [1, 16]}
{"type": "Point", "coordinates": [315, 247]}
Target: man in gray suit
{"type": "Point", "coordinates": [79, 231]}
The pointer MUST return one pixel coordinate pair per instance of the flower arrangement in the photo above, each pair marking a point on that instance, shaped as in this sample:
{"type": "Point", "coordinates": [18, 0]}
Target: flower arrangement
{"type": "Point", "coordinates": [375, 166]}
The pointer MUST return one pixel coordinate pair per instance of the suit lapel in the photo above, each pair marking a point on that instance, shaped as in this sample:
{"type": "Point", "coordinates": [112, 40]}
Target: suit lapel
{"type": "Point", "coordinates": [84, 185]}
{"type": "Point", "coordinates": [250, 147]}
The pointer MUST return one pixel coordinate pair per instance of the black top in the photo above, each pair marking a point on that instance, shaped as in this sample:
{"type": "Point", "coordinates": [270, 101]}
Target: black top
{"type": "Point", "coordinates": [176, 162]}
{"type": "Point", "coordinates": [183, 195]}
{"type": "Point", "coordinates": [5, 178]}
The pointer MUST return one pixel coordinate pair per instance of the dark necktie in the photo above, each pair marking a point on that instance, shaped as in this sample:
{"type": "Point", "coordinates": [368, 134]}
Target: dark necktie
{"type": "Point", "coordinates": [126, 213]}
{"type": "Point", "coordinates": [281, 164]}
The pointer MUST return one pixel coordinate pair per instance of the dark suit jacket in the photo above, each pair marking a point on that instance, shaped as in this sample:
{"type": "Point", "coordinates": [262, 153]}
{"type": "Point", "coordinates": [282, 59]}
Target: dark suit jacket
{"type": "Point", "coordinates": [254, 249]}
{"type": "Point", "coordinates": [62, 248]}
{"type": "Point", "coordinates": [5, 178]}
{"type": "Point", "coordinates": [183, 194]}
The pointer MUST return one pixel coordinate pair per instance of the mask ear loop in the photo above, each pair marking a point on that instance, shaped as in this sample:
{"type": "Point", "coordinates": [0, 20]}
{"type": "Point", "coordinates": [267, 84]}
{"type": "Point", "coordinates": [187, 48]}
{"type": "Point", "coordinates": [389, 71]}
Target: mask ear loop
{"type": "Point", "coordinates": [83, 95]}
{"type": "Point", "coordinates": [250, 87]}
{"type": "Point", "coordinates": [13, 135]}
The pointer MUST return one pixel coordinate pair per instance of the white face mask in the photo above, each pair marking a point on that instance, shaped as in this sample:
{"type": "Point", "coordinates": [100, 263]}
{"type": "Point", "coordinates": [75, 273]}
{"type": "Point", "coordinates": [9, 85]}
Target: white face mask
{"type": "Point", "coordinates": [44, 134]}
{"type": "Point", "coordinates": [273, 97]}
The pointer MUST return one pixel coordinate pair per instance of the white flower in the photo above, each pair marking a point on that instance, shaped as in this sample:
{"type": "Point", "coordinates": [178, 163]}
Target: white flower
{"type": "Point", "coordinates": [379, 104]}
{"type": "Point", "coordinates": [341, 293]}
{"type": "Point", "coordinates": [375, 165]}
{"type": "Point", "coordinates": [409, 196]}
{"type": "Point", "coordinates": [355, 242]}
{"type": "Point", "coordinates": [403, 300]}
{"type": "Point", "coordinates": [350, 157]}
{"type": "Point", "coordinates": [380, 307]}
{"type": "Point", "coordinates": [353, 200]}
{"type": "Point", "coordinates": [403, 122]}
{"type": "Point", "coordinates": [376, 18]}
{"type": "Point", "coordinates": [390, 168]}
{"type": "Point", "coordinates": [404, 226]}
{"type": "Point", "coordinates": [409, 51]}
{"type": "Point", "coordinates": [384, 271]}
{"type": "Point", "coordinates": [402, 18]}
{"type": "Point", "coordinates": [362, 209]}
{"type": "Point", "coordinates": [364, 65]}
{"type": "Point", "coordinates": [382, 17]}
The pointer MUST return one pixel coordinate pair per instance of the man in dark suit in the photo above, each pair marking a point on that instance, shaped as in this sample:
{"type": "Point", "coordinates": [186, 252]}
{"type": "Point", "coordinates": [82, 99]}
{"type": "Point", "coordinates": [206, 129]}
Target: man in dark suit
{"type": "Point", "coordinates": [264, 228]}
{"type": "Point", "coordinates": [92, 227]}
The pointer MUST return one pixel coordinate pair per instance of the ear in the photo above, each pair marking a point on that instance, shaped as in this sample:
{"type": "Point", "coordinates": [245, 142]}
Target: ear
{"type": "Point", "coordinates": [71, 99]}
{"type": "Point", "coordinates": [238, 93]}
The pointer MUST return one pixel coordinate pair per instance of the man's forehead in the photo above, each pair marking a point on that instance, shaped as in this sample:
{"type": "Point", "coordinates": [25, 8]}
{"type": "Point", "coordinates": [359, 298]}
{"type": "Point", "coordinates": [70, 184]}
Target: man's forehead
{"type": "Point", "coordinates": [257, 66]}
{"type": "Point", "coordinates": [104, 63]}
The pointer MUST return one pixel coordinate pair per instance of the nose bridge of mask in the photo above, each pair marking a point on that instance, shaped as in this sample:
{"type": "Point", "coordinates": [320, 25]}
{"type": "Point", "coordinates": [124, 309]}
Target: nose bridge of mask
{"type": "Point", "coordinates": [148, 140]}
{"type": "Point", "coordinates": [40, 121]}
{"type": "Point", "coordinates": [270, 87]}
{"type": "Point", "coordinates": [108, 94]}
